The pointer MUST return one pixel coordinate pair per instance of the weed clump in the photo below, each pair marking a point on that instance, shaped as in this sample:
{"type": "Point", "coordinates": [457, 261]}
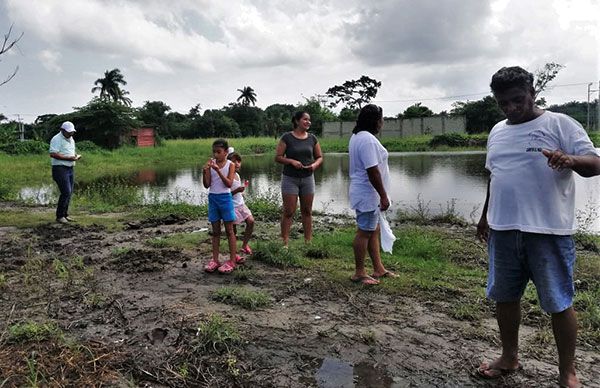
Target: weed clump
{"type": "Point", "coordinates": [318, 251]}
{"type": "Point", "coordinates": [216, 335]}
{"type": "Point", "coordinates": [33, 332]}
{"type": "Point", "coordinates": [245, 298]}
{"type": "Point", "coordinates": [273, 253]}
{"type": "Point", "coordinates": [266, 206]}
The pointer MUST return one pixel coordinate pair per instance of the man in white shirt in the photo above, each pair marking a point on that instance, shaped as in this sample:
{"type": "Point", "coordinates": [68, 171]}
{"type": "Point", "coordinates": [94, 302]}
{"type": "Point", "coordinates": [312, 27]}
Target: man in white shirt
{"type": "Point", "coordinates": [528, 217]}
{"type": "Point", "coordinates": [63, 157]}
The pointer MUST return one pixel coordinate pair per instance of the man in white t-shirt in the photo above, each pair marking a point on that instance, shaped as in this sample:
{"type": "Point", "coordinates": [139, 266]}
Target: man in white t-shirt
{"type": "Point", "coordinates": [528, 217]}
{"type": "Point", "coordinates": [63, 157]}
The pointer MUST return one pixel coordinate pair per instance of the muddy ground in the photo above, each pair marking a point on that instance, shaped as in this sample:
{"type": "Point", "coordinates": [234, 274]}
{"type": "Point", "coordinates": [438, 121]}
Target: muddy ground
{"type": "Point", "coordinates": [133, 312]}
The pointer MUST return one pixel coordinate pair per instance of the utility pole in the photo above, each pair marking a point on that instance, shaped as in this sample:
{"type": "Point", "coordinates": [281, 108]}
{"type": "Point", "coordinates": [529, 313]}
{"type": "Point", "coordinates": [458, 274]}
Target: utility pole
{"type": "Point", "coordinates": [21, 128]}
{"type": "Point", "coordinates": [597, 121]}
{"type": "Point", "coordinates": [587, 126]}
{"type": "Point", "coordinates": [598, 109]}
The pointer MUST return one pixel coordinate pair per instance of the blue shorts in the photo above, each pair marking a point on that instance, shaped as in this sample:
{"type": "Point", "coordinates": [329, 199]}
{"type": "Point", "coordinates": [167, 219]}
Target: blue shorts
{"type": "Point", "coordinates": [220, 207]}
{"type": "Point", "coordinates": [367, 221]}
{"type": "Point", "coordinates": [548, 260]}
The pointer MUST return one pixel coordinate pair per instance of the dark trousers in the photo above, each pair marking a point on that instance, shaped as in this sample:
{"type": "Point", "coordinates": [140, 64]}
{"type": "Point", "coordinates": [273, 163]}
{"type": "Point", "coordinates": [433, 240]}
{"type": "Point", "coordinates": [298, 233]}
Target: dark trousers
{"type": "Point", "coordinates": [65, 179]}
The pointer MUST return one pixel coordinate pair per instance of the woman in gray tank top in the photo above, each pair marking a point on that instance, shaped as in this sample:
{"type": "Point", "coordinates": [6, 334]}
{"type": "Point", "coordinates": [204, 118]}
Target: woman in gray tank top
{"type": "Point", "coordinates": [300, 153]}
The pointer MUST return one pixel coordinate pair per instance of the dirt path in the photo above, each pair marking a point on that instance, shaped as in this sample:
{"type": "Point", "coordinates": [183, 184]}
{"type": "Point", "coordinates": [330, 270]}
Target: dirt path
{"type": "Point", "coordinates": [144, 303]}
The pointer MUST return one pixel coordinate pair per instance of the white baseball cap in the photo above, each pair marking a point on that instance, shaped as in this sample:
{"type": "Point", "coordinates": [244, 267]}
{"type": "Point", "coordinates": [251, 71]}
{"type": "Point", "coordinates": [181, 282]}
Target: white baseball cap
{"type": "Point", "coordinates": [68, 126]}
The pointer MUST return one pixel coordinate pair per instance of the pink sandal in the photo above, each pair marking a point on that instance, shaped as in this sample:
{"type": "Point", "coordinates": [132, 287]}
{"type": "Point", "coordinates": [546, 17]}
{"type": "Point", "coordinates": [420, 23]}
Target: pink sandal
{"type": "Point", "coordinates": [227, 267]}
{"type": "Point", "coordinates": [239, 259]}
{"type": "Point", "coordinates": [212, 266]}
{"type": "Point", "coordinates": [247, 250]}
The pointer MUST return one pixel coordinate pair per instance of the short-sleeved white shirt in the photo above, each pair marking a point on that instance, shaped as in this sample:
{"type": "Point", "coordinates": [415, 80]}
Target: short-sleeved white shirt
{"type": "Point", "coordinates": [365, 151]}
{"type": "Point", "coordinates": [64, 146]}
{"type": "Point", "coordinates": [525, 193]}
{"type": "Point", "coordinates": [217, 186]}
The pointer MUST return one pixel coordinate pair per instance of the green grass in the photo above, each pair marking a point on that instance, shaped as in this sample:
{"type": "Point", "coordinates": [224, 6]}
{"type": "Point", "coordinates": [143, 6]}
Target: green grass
{"type": "Point", "coordinates": [248, 299]}
{"type": "Point", "coordinates": [273, 253]}
{"type": "Point", "coordinates": [26, 219]}
{"type": "Point", "coordinates": [22, 218]}
{"type": "Point", "coordinates": [164, 209]}
{"type": "Point", "coordinates": [216, 334]}
{"type": "Point", "coordinates": [178, 240]}
{"type": "Point", "coordinates": [425, 258]}
{"type": "Point", "coordinates": [244, 274]}
{"type": "Point", "coordinates": [33, 332]}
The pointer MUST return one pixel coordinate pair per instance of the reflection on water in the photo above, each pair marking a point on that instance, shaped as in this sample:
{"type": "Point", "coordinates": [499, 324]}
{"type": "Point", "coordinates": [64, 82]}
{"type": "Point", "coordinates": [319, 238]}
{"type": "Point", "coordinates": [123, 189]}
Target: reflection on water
{"type": "Point", "coordinates": [437, 178]}
{"type": "Point", "coordinates": [336, 373]}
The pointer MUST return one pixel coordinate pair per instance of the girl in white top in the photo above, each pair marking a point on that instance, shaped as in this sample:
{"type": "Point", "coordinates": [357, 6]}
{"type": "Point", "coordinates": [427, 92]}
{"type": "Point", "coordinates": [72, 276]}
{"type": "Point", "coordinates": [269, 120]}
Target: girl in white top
{"type": "Point", "coordinates": [242, 213]}
{"type": "Point", "coordinates": [217, 177]}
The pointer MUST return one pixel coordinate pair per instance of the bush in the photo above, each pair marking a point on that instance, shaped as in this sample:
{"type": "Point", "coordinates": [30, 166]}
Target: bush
{"type": "Point", "coordinates": [6, 190]}
{"type": "Point", "coordinates": [26, 147]}
{"type": "Point", "coordinates": [479, 140]}
{"type": "Point", "coordinates": [450, 139]}
{"type": "Point", "coordinates": [88, 146]}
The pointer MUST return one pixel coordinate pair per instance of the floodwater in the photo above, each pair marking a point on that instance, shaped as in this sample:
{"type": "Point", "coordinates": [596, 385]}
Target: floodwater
{"type": "Point", "coordinates": [433, 182]}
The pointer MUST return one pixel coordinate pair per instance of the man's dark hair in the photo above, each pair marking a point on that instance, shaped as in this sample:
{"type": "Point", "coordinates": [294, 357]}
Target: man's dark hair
{"type": "Point", "coordinates": [221, 143]}
{"type": "Point", "coordinates": [368, 118]}
{"type": "Point", "coordinates": [510, 77]}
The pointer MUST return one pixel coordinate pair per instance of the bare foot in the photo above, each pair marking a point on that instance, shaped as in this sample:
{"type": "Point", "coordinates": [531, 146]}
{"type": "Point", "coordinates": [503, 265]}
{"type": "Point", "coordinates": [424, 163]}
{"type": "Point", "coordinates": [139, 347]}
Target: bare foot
{"type": "Point", "coordinates": [569, 381]}
{"type": "Point", "coordinates": [498, 368]}
{"type": "Point", "coordinates": [384, 274]}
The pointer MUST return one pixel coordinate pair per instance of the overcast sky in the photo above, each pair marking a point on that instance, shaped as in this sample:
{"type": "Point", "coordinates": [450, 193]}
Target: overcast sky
{"type": "Point", "coordinates": [184, 52]}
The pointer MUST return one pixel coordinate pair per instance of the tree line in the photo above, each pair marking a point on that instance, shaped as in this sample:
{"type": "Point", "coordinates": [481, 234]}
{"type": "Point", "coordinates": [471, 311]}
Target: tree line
{"type": "Point", "coordinates": [109, 117]}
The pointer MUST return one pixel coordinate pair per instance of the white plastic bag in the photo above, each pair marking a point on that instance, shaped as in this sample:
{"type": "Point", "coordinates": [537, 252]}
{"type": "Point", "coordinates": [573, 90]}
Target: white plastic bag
{"type": "Point", "coordinates": [387, 236]}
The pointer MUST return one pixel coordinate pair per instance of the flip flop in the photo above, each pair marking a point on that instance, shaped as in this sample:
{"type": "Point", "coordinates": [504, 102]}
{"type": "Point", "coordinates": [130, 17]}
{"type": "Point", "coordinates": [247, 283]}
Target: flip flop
{"type": "Point", "coordinates": [365, 280]}
{"type": "Point", "coordinates": [496, 372]}
{"type": "Point", "coordinates": [386, 274]}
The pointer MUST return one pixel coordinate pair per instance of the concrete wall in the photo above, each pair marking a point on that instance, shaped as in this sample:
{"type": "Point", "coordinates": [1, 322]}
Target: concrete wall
{"type": "Point", "coordinates": [434, 125]}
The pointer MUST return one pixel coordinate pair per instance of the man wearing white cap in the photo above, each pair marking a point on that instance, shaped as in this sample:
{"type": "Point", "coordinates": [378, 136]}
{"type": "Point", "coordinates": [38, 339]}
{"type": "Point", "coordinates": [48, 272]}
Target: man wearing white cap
{"type": "Point", "coordinates": [62, 152]}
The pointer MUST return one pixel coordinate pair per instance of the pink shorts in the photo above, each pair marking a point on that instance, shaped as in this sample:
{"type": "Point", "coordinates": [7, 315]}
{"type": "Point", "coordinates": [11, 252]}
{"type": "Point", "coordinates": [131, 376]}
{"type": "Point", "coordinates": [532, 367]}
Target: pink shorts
{"type": "Point", "coordinates": [241, 213]}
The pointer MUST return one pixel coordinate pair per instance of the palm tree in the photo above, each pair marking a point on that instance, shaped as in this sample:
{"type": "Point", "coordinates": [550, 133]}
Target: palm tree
{"type": "Point", "coordinates": [110, 88]}
{"type": "Point", "coordinates": [248, 96]}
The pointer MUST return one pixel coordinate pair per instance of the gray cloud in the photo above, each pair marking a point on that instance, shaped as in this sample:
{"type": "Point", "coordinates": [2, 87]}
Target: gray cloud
{"type": "Point", "coordinates": [428, 31]}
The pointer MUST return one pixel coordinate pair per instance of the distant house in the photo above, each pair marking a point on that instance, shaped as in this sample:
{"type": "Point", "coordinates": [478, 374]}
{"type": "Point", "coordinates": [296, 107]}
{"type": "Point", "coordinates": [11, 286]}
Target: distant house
{"type": "Point", "coordinates": [143, 137]}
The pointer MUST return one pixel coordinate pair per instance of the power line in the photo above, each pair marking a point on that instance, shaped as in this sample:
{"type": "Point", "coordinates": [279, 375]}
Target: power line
{"type": "Point", "coordinates": [434, 98]}
{"type": "Point", "coordinates": [471, 94]}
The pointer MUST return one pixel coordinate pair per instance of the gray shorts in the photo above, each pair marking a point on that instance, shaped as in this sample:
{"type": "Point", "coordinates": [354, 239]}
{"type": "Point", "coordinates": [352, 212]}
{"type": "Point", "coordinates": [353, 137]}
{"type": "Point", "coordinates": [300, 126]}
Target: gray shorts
{"type": "Point", "coordinates": [297, 186]}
